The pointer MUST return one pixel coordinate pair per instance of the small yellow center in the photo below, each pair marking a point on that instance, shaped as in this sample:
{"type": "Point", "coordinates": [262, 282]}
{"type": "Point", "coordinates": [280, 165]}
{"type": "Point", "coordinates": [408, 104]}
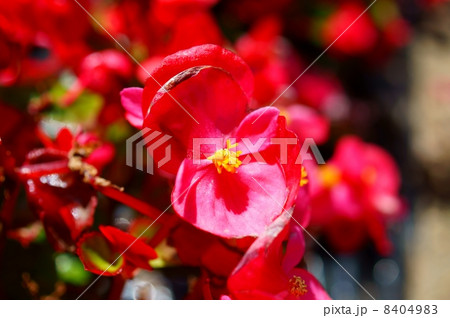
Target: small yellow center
{"type": "Point", "coordinates": [304, 177]}
{"type": "Point", "coordinates": [329, 176]}
{"type": "Point", "coordinates": [297, 286]}
{"type": "Point", "coordinates": [226, 159]}
{"type": "Point", "coordinates": [285, 114]}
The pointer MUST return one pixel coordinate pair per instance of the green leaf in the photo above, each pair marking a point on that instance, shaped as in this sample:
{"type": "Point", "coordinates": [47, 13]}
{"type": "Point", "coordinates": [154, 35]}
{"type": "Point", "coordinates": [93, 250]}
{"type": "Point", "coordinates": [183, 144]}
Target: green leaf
{"type": "Point", "coordinates": [70, 270]}
{"type": "Point", "coordinates": [84, 109]}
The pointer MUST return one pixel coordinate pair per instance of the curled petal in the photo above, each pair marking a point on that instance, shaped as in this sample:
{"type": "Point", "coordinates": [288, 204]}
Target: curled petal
{"type": "Point", "coordinates": [98, 256]}
{"type": "Point", "coordinates": [202, 55]}
{"type": "Point", "coordinates": [135, 250]}
{"type": "Point", "coordinates": [199, 103]}
{"type": "Point", "coordinates": [295, 248]}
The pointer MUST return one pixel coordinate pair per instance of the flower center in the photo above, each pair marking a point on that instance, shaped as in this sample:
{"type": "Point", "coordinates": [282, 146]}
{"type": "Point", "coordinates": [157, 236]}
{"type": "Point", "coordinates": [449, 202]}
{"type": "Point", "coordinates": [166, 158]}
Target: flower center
{"type": "Point", "coordinates": [226, 159]}
{"type": "Point", "coordinates": [329, 175]}
{"type": "Point", "coordinates": [297, 286]}
{"type": "Point", "coordinates": [304, 177]}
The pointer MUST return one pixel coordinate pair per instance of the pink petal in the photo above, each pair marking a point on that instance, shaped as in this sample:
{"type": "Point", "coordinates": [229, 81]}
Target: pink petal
{"type": "Point", "coordinates": [346, 201]}
{"type": "Point", "coordinates": [132, 103]}
{"type": "Point", "coordinates": [308, 123]}
{"type": "Point", "coordinates": [292, 168]}
{"type": "Point", "coordinates": [227, 204]}
{"type": "Point", "coordinates": [295, 248]}
{"type": "Point", "coordinates": [261, 124]}
{"type": "Point", "coordinates": [302, 209]}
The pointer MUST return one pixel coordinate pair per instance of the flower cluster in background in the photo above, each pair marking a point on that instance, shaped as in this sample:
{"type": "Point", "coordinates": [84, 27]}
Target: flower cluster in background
{"type": "Point", "coordinates": [225, 228]}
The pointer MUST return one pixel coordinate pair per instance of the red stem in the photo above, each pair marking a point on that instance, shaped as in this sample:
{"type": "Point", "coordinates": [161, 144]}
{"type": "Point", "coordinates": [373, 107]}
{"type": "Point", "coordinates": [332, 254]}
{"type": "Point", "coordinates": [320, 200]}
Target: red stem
{"type": "Point", "coordinates": [41, 169]}
{"type": "Point", "coordinates": [134, 203]}
{"type": "Point", "coordinates": [116, 288]}
{"type": "Point", "coordinates": [206, 287]}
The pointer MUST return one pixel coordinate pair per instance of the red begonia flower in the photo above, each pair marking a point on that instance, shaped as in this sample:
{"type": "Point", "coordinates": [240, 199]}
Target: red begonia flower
{"type": "Point", "coordinates": [232, 203]}
{"type": "Point", "coordinates": [137, 102]}
{"type": "Point", "coordinates": [131, 101]}
{"type": "Point", "coordinates": [358, 39]}
{"type": "Point", "coordinates": [98, 256]}
{"type": "Point", "coordinates": [113, 251]}
{"type": "Point", "coordinates": [103, 72]}
{"type": "Point", "coordinates": [205, 95]}
{"type": "Point", "coordinates": [268, 272]}
{"type": "Point", "coordinates": [61, 199]}
{"type": "Point", "coordinates": [355, 194]}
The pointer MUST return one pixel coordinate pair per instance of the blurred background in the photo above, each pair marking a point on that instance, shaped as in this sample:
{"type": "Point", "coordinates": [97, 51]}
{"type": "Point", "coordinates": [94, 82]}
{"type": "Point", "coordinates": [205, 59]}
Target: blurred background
{"type": "Point", "coordinates": [386, 80]}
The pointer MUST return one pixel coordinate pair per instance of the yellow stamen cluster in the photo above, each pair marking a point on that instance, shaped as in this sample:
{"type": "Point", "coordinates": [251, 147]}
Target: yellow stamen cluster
{"type": "Point", "coordinates": [304, 177]}
{"type": "Point", "coordinates": [297, 286]}
{"type": "Point", "coordinates": [329, 175]}
{"type": "Point", "coordinates": [226, 159]}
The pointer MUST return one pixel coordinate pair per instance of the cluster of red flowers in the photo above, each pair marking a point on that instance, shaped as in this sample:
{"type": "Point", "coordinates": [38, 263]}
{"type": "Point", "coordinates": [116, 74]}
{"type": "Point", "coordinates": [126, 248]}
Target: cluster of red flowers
{"type": "Point", "coordinates": [238, 213]}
